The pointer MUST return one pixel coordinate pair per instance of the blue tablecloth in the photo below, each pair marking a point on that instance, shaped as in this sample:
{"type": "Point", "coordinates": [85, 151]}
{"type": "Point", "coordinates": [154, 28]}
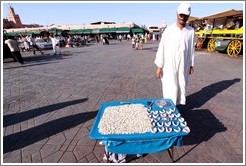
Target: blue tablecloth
{"type": "Point", "coordinates": [139, 143]}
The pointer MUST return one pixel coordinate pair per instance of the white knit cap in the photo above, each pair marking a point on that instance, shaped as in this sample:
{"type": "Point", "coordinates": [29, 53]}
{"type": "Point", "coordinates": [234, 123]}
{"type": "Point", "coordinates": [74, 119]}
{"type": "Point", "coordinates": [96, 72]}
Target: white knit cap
{"type": "Point", "coordinates": [184, 8]}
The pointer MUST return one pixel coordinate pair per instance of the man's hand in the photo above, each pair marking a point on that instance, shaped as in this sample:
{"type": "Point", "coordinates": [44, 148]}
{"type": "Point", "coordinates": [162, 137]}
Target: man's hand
{"type": "Point", "coordinates": [159, 72]}
{"type": "Point", "coordinates": [191, 70]}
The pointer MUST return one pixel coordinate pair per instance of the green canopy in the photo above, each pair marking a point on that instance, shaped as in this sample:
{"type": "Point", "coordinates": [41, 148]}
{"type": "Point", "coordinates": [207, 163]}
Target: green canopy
{"type": "Point", "coordinates": [123, 30]}
{"type": "Point", "coordinates": [80, 31]}
{"type": "Point", "coordinates": [32, 32]}
{"type": "Point", "coordinates": [87, 31]}
{"type": "Point", "coordinates": [10, 34]}
{"type": "Point", "coordinates": [137, 30]}
{"type": "Point", "coordinates": [55, 31]}
{"type": "Point", "coordinates": [107, 30]}
{"type": "Point", "coordinates": [95, 31]}
{"type": "Point", "coordinates": [59, 31]}
{"type": "Point", "coordinates": [73, 31]}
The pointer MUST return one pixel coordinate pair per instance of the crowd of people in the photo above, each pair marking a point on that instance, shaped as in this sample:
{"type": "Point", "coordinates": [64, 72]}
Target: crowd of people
{"type": "Point", "coordinates": [28, 43]}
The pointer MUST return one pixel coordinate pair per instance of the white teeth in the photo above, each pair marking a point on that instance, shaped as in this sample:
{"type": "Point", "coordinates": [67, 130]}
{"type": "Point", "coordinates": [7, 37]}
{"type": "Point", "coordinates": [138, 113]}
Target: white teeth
{"type": "Point", "coordinates": [155, 116]}
{"type": "Point", "coordinates": [184, 123]}
{"type": "Point", "coordinates": [186, 129]}
{"type": "Point", "coordinates": [164, 118]}
{"type": "Point", "coordinates": [175, 123]}
{"type": "Point", "coordinates": [163, 115]}
{"type": "Point", "coordinates": [122, 120]}
{"type": "Point", "coordinates": [169, 112]}
{"type": "Point", "coordinates": [160, 124]}
{"type": "Point", "coordinates": [161, 129]}
{"type": "Point", "coordinates": [181, 119]}
{"type": "Point", "coordinates": [151, 120]}
{"type": "Point", "coordinates": [177, 115]}
{"type": "Point", "coordinates": [155, 112]}
{"type": "Point", "coordinates": [162, 111]}
{"type": "Point", "coordinates": [153, 130]}
{"type": "Point", "coordinates": [157, 119]}
{"type": "Point", "coordinates": [172, 109]}
{"type": "Point", "coordinates": [168, 129]}
{"type": "Point", "coordinates": [171, 116]}
{"type": "Point", "coordinates": [135, 118]}
{"type": "Point", "coordinates": [149, 116]}
{"type": "Point", "coordinates": [168, 123]}
{"type": "Point", "coordinates": [177, 130]}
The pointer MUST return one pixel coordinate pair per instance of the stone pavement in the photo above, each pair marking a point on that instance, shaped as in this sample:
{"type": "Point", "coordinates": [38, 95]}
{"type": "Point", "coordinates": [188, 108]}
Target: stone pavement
{"type": "Point", "coordinates": [49, 104]}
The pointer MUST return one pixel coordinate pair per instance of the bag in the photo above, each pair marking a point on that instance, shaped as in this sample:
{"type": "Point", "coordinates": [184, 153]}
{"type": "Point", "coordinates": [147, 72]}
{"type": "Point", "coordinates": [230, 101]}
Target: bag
{"type": "Point", "coordinates": [114, 157]}
{"type": "Point", "coordinates": [118, 158]}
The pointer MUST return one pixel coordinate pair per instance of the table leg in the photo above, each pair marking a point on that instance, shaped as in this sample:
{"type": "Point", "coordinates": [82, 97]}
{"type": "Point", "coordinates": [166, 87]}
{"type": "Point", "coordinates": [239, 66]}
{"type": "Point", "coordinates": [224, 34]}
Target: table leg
{"type": "Point", "coordinates": [170, 152]}
{"type": "Point", "coordinates": [107, 154]}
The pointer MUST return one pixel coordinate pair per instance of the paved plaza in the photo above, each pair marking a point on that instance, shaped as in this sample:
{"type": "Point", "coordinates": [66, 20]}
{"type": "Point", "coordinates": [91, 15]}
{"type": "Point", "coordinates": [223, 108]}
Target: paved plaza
{"type": "Point", "coordinates": [50, 103]}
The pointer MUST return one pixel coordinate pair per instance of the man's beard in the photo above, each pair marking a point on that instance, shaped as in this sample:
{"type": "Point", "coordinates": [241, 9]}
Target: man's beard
{"type": "Point", "coordinates": [182, 22]}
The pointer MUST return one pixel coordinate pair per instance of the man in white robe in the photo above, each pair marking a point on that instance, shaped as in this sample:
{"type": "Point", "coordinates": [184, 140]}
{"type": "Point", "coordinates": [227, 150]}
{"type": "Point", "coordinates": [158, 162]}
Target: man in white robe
{"type": "Point", "coordinates": [175, 56]}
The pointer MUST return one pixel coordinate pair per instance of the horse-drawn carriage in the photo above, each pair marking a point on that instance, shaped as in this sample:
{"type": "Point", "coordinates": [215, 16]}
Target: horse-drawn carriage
{"type": "Point", "coordinates": [221, 32]}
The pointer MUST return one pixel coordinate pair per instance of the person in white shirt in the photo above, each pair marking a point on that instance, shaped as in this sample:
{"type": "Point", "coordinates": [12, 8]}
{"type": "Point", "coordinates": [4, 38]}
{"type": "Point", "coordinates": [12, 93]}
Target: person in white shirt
{"type": "Point", "coordinates": [175, 56]}
{"type": "Point", "coordinates": [15, 50]}
{"type": "Point", "coordinates": [32, 41]}
{"type": "Point", "coordinates": [55, 44]}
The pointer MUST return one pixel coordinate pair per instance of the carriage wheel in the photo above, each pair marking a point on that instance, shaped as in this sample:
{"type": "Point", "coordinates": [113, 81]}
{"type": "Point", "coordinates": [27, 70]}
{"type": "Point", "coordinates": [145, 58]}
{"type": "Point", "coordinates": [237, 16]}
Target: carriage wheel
{"type": "Point", "coordinates": [199, 43]}
{"type": "Point", "coordinates": [234, 48]}
{"type": "Point", "coordinates": [211, 45]}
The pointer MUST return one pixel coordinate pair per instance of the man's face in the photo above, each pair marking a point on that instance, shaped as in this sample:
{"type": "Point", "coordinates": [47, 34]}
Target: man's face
{"type": "Point", "coordinates": [182, 18]}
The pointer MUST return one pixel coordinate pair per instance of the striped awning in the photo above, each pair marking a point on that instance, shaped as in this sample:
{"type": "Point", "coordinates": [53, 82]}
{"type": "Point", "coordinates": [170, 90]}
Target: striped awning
{"type": "Point", "coordinates": [123, 30]}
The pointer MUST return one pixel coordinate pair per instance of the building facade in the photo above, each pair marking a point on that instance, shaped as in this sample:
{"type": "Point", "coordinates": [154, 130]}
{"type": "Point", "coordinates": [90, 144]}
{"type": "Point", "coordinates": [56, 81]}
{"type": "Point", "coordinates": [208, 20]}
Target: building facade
{"type": "Point", "coordinates": [14, 21]}
{"type": "Point", "coordinates": [13, 18]}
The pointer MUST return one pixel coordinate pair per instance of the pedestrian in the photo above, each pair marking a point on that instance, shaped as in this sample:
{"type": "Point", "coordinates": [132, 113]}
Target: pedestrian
{"type": "Point", "coordinates": [26, 43]}
{"type": "Point", "coordinates": [141, 41]}
{"type": "Point", "coordinates": [120, 38]}
{"type": "Point", "coordinates": [175, 56]}
{"type": "Point", "coordinates": [55, 44]}
{"type": "Point", "coordinates": [136, 42]}
{"type": "Point", "coordinates": [15, 50]}
{"type": "Point", "coordinates": [34, 45]}
{"type": "Point", "coordinates": [133, 42]}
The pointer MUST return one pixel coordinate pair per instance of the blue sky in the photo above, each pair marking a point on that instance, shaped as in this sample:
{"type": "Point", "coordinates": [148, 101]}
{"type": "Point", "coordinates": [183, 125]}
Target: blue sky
{"type": "Point", "coordinates": [142, 12]}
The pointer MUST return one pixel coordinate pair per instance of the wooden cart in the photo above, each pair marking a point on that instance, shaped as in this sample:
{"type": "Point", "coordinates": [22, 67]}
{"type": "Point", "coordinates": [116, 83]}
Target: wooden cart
{"type": "Point", "coordinates": [222, 32]}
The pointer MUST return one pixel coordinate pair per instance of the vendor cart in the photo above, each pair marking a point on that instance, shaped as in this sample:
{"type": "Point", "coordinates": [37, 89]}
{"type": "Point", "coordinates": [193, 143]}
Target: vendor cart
{"type": "Point", "coordinates": [143, 143]}
{"type": "Point", "coordinates": [221, 32]}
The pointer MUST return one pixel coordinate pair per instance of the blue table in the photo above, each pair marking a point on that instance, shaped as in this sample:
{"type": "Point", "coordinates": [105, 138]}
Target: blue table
{"type": "Point", "coordinates": [139, 143]}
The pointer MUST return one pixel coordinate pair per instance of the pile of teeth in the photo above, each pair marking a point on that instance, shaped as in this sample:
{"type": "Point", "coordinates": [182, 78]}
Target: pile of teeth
{"type": "Point", "coordinates": [125, 119]}
{"type": "Point", "coordinates": [167, 120]}
{"type": "Point", "coordinates": [136, 118]}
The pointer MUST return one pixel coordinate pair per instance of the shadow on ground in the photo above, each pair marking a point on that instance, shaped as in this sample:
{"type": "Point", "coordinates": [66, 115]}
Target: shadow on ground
{"type": "Point", "coordinates": [24, 138]}
{"type": "Point", "coordinates": [202, 123]}
{"type": "Point", "coordinates": [15, 118]}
